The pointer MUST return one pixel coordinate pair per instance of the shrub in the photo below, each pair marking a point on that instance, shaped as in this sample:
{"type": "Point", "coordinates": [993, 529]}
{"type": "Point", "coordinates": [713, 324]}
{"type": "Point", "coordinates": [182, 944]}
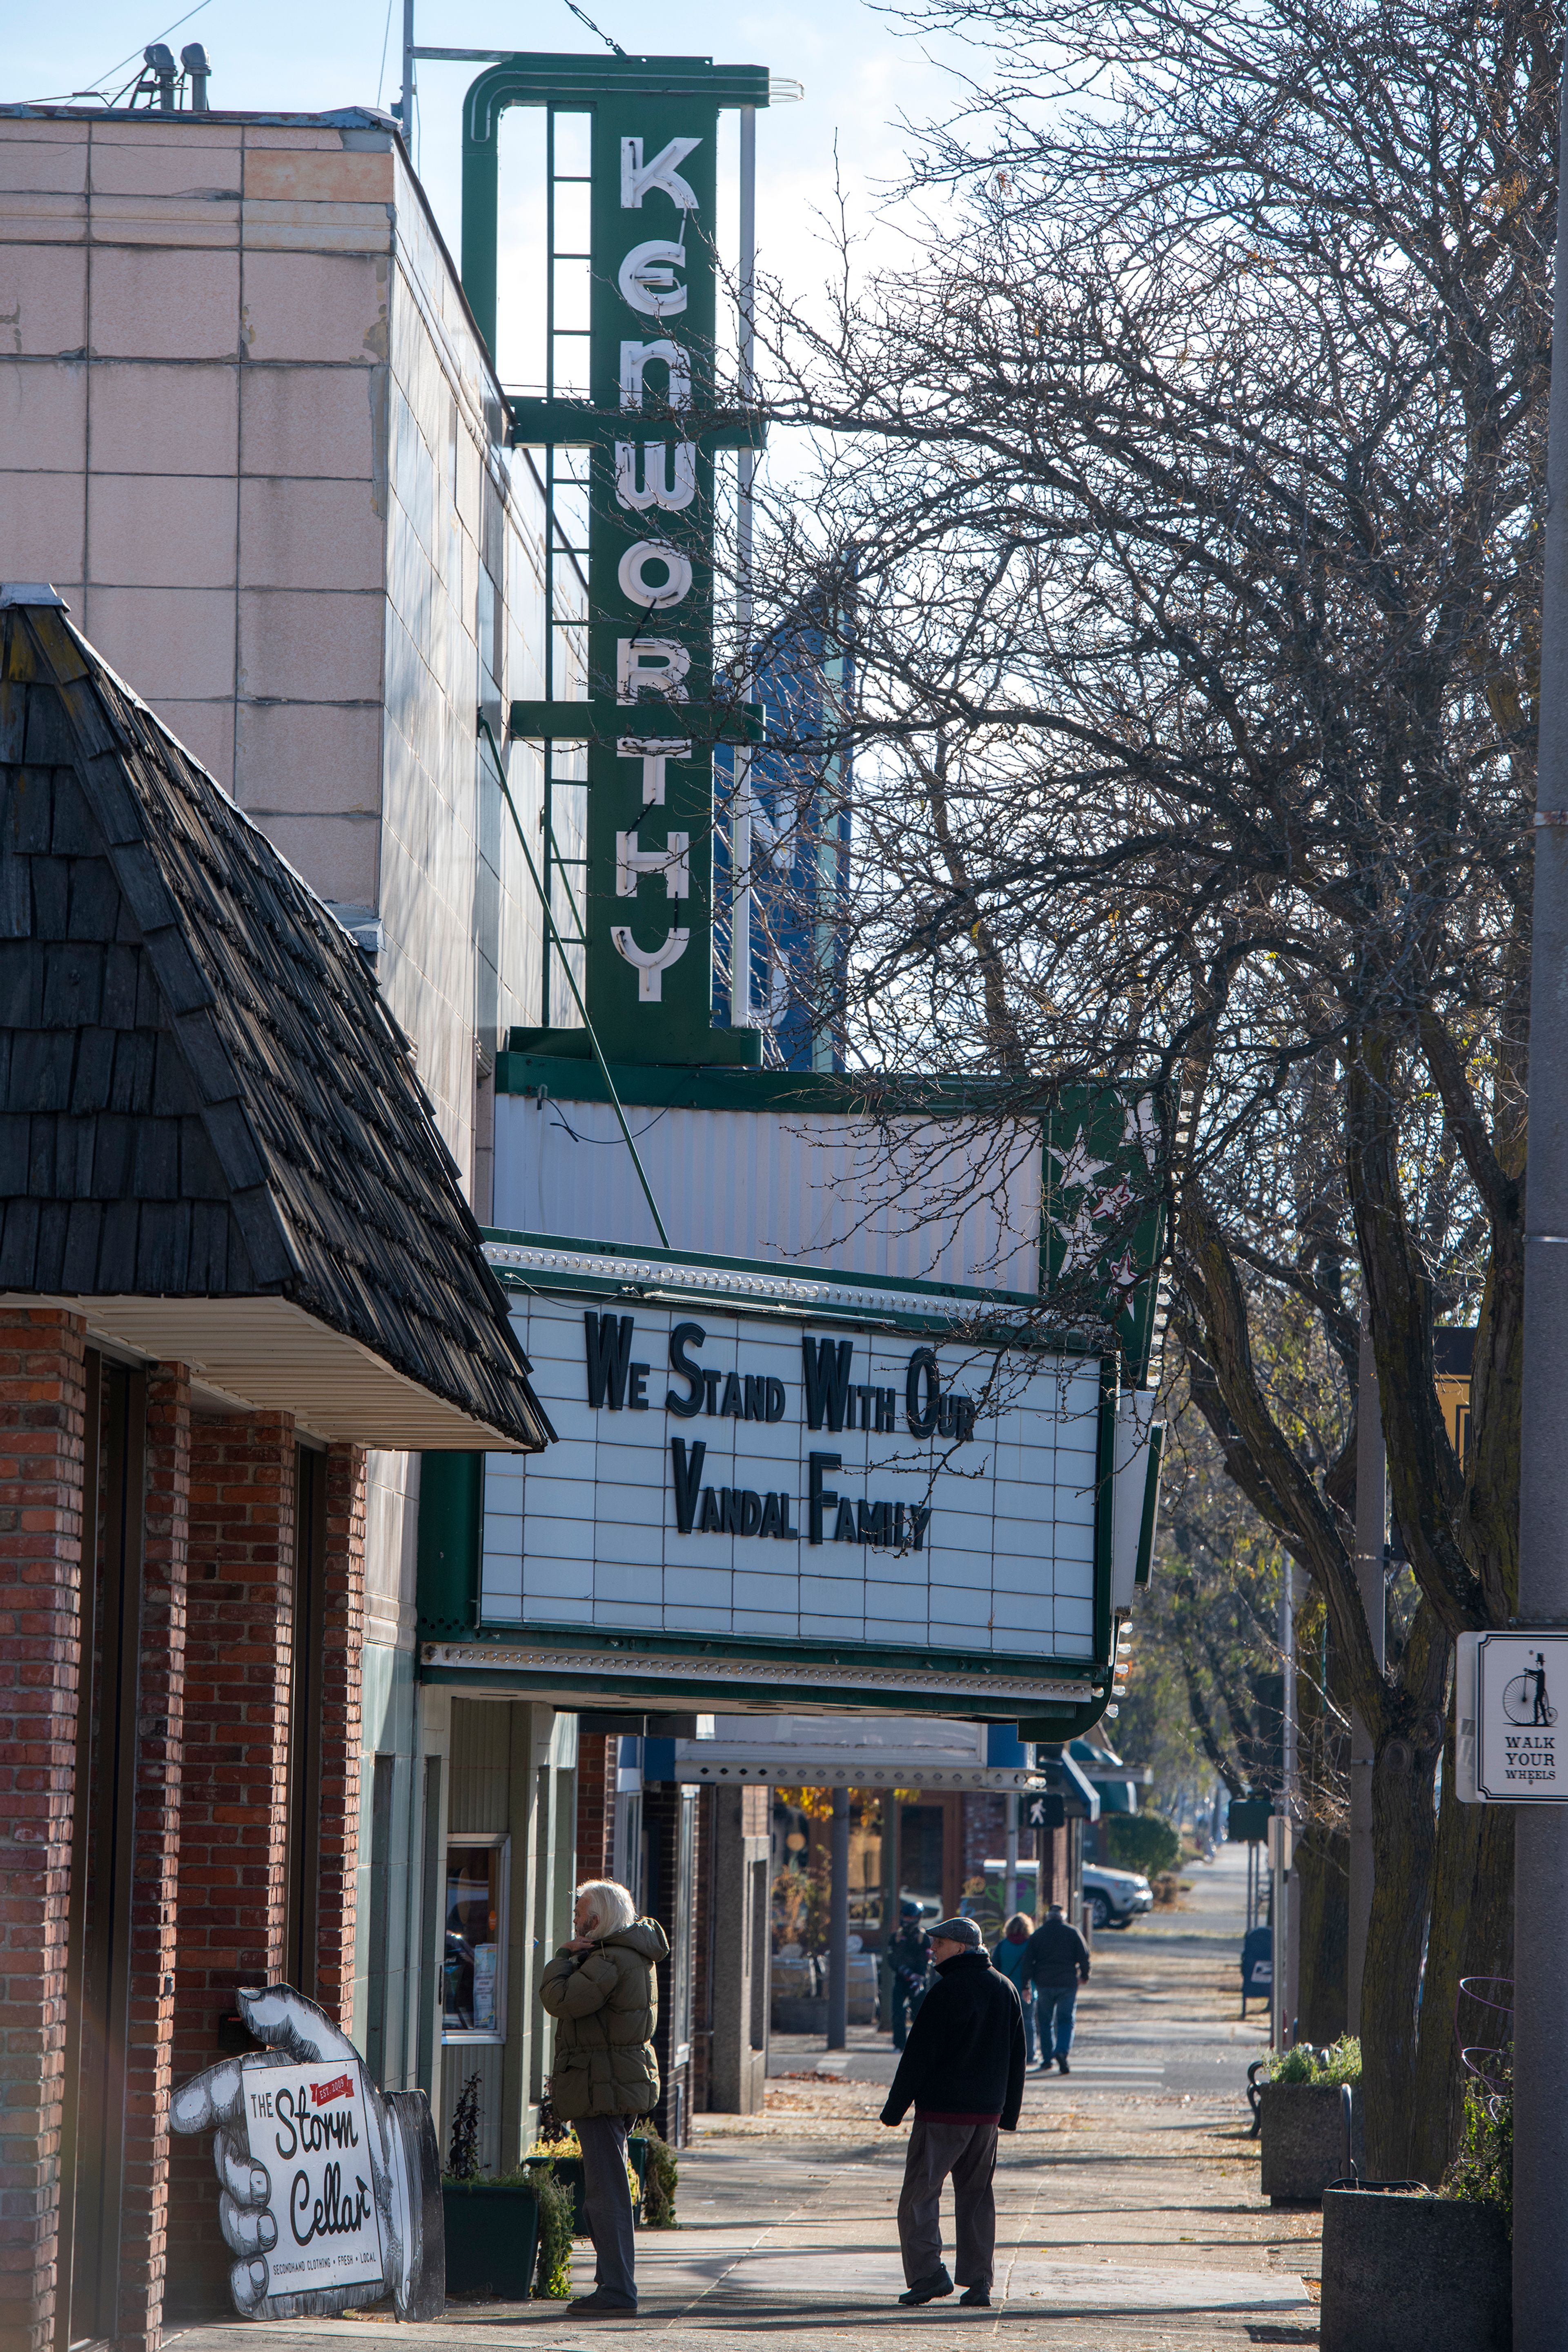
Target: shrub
{"type": "Point", "coordinates": [463, 2152]}
{"type": "Point", "coordinates": [658, 2187]}
{"type": "Point", "coordinates": [1144, 1841]}
{"type": "Point", "coordinates": [1483, 2172]}
{"type": "Point", "coordinates": [1327, 2068]}
{"type": "Point", "coordinates": [552, 2270]}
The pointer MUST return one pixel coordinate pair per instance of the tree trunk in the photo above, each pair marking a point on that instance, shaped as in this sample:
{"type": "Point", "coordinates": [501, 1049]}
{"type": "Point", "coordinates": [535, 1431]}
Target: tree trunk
{"type": "Point", "coordinates": [1471, 1935]}
{"type": "Point", "coordinates": [1322, 1866]}
{"type": "Point", "coordinates": [1404, 1832]}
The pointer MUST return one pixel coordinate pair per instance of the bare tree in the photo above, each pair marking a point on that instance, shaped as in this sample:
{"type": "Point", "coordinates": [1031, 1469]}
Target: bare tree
{"type": "Point", "coordinates": [1185, 486]}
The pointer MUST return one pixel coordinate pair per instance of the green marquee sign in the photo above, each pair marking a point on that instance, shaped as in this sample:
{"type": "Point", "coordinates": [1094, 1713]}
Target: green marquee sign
{"type": "Point", "coordinates": [650, 719]}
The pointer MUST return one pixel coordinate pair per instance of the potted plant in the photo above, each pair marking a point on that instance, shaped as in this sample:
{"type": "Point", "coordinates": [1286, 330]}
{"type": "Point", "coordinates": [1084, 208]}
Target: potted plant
{"type": "Point", "coordinates": [558, 2151]}
{"type": "Point", "coordinates": [492, 2222]}
{"type": "Point", "coordinates": [1402, 2266]}
{"type": "Point", "coordinates": [1303, 2116]}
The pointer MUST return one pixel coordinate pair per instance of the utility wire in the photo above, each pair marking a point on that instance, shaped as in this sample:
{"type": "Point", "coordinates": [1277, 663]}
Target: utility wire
{"type": "Point", "coordinates": [593, 28]}
{"type": "Point", "coordinates": [566, 966]}
{"type": "Point", "coordinates": [136, 53]}
{"type": "Point", "coordinates": [385, 37]}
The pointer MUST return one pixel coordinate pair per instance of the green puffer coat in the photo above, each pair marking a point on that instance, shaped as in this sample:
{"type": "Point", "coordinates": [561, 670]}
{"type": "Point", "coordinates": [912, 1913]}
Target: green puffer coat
{"type": "Point", "coordinates": [604, 2003]}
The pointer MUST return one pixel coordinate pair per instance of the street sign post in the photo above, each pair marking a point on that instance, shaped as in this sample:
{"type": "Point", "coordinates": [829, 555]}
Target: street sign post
{"type": "Point", "coordinates": [1509, 1692]}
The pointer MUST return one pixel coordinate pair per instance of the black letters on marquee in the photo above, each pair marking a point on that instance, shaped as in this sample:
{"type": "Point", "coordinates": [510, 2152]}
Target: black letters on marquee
{"type": "Point", "coordinates": [615, 1381]}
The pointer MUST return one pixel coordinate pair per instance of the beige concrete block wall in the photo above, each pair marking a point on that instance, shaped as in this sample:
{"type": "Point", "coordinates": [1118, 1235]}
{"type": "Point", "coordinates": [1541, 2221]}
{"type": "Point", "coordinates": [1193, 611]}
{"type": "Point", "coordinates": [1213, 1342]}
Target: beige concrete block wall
{"type": "Point", "coordinates": [247, 428]}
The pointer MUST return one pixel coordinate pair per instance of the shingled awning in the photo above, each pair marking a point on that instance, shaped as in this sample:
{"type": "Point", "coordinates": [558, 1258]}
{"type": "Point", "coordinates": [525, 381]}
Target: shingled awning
{"type": "Point", "coordinates": [212, 1141]}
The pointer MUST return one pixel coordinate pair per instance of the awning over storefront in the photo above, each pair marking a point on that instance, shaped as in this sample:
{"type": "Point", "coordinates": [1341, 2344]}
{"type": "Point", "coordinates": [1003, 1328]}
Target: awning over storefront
{"type": "Point", "coordinates": [853, 1752]}
{"type": "Point", "coordinates": [213, 1145]}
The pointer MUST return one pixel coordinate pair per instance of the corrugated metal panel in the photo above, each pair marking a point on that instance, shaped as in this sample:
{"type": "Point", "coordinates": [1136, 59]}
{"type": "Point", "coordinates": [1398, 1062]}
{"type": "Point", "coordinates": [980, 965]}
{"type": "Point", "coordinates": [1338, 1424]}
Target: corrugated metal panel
{"type": "Point", "coordinates": [480, 1800]}
{"type": "Point", "coordinates": [931, 1201]}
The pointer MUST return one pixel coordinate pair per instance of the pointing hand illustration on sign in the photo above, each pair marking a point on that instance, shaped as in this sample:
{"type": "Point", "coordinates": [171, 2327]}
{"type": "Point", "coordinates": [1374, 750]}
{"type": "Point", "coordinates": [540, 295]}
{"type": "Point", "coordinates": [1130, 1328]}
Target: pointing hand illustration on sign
{"type": "Point", "coordinates": [330, 2190]}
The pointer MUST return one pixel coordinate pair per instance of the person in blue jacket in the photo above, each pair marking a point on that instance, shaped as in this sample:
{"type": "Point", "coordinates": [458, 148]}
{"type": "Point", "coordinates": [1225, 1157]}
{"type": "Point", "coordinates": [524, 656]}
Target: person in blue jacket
{"type": "Point", "coordinates": [962, 2073]}
{"type": "Point", "coordinates": [1008, 1956]}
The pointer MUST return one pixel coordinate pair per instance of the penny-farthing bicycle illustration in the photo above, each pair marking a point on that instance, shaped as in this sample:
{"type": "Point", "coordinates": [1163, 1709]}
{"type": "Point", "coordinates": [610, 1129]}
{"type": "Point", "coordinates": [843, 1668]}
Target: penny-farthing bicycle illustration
{"type": "Point", "coordinates": [1524, 1698]}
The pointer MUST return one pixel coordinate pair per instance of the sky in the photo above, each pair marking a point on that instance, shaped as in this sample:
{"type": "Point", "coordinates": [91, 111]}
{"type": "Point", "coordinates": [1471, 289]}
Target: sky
{"type": "Point", "coordinates": [861, 73]}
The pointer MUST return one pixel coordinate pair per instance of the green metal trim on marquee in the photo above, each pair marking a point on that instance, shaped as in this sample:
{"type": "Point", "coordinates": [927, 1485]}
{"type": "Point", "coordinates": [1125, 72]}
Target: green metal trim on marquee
{"type": "Point", "coordinates": [634, 1272]}
{"type": "Point", "coordinates": [652, 422]}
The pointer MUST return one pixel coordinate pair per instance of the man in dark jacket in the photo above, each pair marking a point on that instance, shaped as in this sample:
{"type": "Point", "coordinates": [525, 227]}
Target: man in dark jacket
{"type": "Point", "coordinates": [1056, 1962]}
{"type": "Point", "coordinates": [908, 1964]}
{"type": "Point", "coordinates": [963, 2071]}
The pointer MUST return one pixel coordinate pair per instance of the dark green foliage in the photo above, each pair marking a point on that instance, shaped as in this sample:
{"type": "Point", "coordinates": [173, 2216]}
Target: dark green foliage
{"type": "Point", "coordinates": [1483, 2172]}
{"type": "Point", "coordinates": [553, 2276]}
{"type": "Point", "coordinates": [658, 2182]}
{"type": "Point", "coordinates": [463, 2153]}
{"type": "Point", "coordinates": [1144, 1841]}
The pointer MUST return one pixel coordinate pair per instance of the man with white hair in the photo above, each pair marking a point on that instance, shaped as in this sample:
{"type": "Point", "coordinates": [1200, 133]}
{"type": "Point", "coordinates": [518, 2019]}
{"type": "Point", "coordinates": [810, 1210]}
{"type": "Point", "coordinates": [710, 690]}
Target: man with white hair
{"type": "Point", "coordinates": [601, 1990]}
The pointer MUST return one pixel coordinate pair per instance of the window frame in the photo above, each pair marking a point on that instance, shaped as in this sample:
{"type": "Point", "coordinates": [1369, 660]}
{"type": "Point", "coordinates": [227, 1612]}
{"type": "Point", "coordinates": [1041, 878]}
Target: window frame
{"type": "Point", "coordinates": [497, 1841]}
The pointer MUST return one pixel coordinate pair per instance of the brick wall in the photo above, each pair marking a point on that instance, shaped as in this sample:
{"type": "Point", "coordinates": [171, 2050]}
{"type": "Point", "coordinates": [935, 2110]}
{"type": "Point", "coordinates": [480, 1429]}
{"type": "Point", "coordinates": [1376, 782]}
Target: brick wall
{"type": "Point", "coordinates": [234, 1812]}
{"type": "Point", "coordinates": [155, 1842]}
{"type": "Point", "coordinates": [985, 1831]}
{"type": "Point", "coordinates": [341, 1675]}
{"type": "Point", "coordinates": [596, 1757]}
{"type": "Point", "coordinates": [42, 1443]}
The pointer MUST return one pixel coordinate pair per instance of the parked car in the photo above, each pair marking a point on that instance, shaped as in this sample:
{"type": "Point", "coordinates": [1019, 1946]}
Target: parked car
{"type": "Point", "coordinates": [1113, 1898]}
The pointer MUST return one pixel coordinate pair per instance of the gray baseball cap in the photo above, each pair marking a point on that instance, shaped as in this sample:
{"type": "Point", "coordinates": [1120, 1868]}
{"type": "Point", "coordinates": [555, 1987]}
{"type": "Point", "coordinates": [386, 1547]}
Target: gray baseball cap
{"type": "Point", "coordinates": [956, 1931]}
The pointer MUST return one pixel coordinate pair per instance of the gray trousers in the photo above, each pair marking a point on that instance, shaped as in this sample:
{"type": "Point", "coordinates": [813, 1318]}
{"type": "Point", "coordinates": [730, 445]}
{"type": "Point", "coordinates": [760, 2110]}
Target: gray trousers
{"type": "Point", "coordinates": [609, 2201]}
{"type": "Point", "coordinates": [969, 2152]}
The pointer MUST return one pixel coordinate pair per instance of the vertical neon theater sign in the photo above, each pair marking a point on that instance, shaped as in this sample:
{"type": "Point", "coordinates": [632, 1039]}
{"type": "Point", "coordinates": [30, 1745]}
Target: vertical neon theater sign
{"type": "Point", "coordinates": [649, 422]}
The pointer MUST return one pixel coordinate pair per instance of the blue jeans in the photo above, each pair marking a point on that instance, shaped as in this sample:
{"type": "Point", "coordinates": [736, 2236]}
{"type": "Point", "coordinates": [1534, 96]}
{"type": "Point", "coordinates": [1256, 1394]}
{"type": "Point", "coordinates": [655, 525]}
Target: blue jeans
{"type": "Point", "coordinates": [1058, 2003]}
{"type": "Point", "coordinates": [1026, 2002]}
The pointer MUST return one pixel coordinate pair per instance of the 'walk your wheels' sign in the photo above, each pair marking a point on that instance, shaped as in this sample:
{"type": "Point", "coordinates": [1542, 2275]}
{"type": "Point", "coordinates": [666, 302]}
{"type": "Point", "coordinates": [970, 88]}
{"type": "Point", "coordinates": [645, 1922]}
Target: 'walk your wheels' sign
{"type": "Point", "coordinates": [1510, 1689]}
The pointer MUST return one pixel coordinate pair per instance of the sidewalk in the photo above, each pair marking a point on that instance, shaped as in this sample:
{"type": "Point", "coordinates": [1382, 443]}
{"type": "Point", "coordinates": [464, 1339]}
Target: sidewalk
{"type": "Point", "coordinates": [1130, 2219]}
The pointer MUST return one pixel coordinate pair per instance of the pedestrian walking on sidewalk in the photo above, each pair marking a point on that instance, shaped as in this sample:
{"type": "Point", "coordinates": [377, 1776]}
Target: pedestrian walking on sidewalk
{"type": "Point", "coordinates": [1008, 1956]}
{"type": "Point", "coordinates": [1056, 1962]}
{"type": "Point", "coordinates": [962, 2073]}
{"type": "Point", "coordinates": [909, 1965]}
{"type": "Point", "coordinates": [602, 1990]}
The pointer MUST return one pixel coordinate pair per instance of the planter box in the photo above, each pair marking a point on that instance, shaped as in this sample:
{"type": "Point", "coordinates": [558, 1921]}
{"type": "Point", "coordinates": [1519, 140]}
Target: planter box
{"type": "Point", "coordinates": [1404, 2269]}
{"type": "Point", "coordinates": [1304, 2139]}
{"type": "Point", "coordinates": [492, 2239]}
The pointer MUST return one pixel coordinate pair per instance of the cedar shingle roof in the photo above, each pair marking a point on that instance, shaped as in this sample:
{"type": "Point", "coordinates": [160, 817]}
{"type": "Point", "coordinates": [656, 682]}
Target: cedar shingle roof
{"type": "Point", "coordinates": [201, 1091]}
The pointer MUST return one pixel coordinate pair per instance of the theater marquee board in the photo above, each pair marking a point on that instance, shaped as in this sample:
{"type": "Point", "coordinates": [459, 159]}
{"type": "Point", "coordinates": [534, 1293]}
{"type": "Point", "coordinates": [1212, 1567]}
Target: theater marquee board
{"type": "Point", "coordinates": [799, 1486]}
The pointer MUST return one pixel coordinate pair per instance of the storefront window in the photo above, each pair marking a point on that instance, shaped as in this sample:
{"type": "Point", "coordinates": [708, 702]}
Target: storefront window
{"type": "Point", "coordinates": [476, 1939]}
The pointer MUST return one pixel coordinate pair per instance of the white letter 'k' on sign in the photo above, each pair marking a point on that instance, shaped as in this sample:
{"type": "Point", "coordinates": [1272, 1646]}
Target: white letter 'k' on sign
{"type": "Point", "coordinates": [651, 964]}
{"type": "Point", "coordinates": [637, 177]}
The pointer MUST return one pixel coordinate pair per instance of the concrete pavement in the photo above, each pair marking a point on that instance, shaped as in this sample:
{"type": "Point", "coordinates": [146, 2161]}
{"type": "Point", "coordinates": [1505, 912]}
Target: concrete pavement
{"type": "Point", "coordinates": [1128, 2203]}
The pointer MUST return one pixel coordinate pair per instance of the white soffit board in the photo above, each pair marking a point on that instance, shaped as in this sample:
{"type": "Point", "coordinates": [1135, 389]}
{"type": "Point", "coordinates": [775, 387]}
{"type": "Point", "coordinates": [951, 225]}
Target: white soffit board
{"type": "Point", "coordinates": [949, 1200]}
{"type": "Point", "coordinates": [269, 1356]}
{"type": "Point", "coordinates": [992, 1549]}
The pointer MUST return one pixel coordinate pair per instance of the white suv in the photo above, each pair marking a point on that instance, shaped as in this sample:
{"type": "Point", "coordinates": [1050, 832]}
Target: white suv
{"type": "Point", "coordinates": [1113, 1898]}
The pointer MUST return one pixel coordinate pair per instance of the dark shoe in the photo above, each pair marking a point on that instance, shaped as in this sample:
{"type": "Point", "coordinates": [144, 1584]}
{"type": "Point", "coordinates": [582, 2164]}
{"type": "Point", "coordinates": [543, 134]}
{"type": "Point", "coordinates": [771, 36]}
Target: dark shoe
{"type": "Point", "coordinates": [975, 2298]}
{"type": "Point", "coordinates": [926, 2290]}
{"type": "Point", "coordinates": [1044, 2067]}
{"type": "Point", "coordinates": [1063, 2066]}
{"type": "Point", "coordinates": [600, 2307]}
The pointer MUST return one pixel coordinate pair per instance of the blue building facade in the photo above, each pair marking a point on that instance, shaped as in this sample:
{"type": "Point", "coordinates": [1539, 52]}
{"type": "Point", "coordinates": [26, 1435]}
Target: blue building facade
{"type": "Point", "coordinates": [799, 790]}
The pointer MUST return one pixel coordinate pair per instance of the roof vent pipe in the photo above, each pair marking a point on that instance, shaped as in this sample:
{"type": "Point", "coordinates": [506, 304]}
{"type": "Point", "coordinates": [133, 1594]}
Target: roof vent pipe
{"type": "Point", "coordinates": [193, 58]}
{"type": "Point", "coordinates": [159, 58]}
